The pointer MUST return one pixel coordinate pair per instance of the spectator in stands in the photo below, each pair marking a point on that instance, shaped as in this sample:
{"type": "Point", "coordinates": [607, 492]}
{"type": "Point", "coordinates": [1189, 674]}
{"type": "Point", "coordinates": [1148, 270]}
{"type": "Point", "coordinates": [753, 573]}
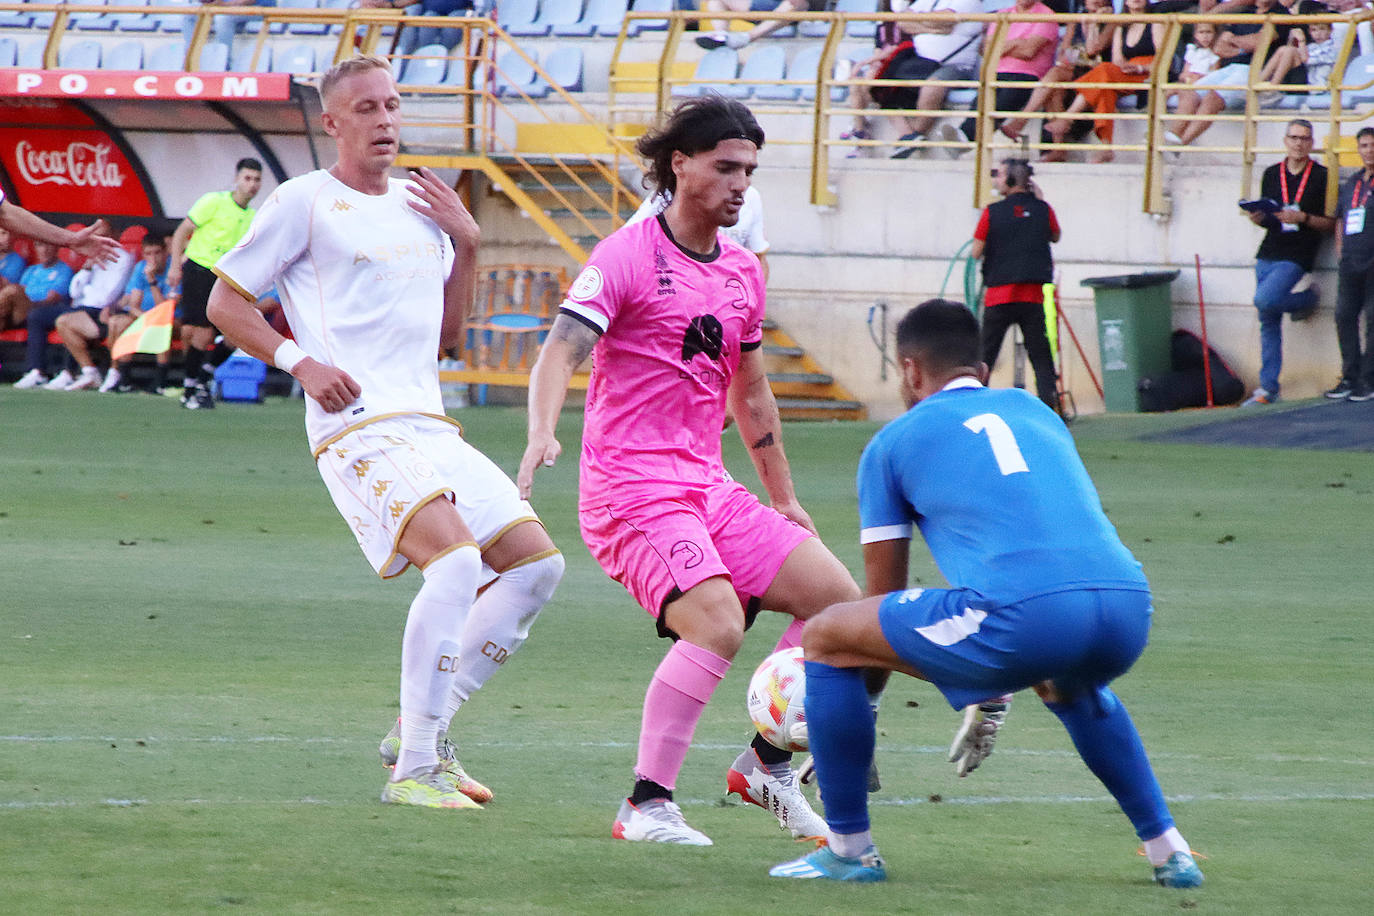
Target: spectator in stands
{"type": "Point", "coordinates": [107, 313]}
{"type": "Point", "coordinates": [224, 28]}
{"type": "Point", "coordinates": [94, 288]}
{"type": "Point", "coordinates": [1235, 48]}
{"type": "Point", "coordinates": [12, 263]}
{"type": "Point", "coordinates": [1312, 60]}
{"type": "Point", "coordinates": [721, 38]}
{"type": "Point", "coordinates": [938, 51]}
{"type": "Point", "coordinates": [888, 40]}
{"type": "Point", "coordinates": [1027, 55]}
{"type": "Point", "coordinates": [1084, 45]}
{"type": "Point", "coordinates": [1013, 239]}
{"type": "Point", "coordinates": [43, 293]}
{"type": "Point", "coordinates": [1283, 282]}
{"type": "Point", "coordinates": [1355, 277]}
{"type": "Point", "coordinates": [214, 225]}
{"type": "Point", "coordinates": [1133, 55]}
{"type": "Point", "coordinates": [412, 38]}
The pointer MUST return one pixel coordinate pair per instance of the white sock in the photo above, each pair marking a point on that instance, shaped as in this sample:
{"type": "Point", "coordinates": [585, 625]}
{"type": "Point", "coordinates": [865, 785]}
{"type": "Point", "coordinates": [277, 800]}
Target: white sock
{"type": "Point", "coordinates": [1166, 844]}
{"type": "Point", "coordinates": [850, 845]}
{"type": "Point", "coordinates": [500, 622]}
{"type": "Point", "coordinates": [430, 653]}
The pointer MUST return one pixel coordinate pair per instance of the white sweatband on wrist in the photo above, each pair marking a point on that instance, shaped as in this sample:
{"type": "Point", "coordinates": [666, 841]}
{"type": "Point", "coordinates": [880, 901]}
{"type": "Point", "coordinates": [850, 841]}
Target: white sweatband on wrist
{"type": "Point", "coordinates": [287, 356]}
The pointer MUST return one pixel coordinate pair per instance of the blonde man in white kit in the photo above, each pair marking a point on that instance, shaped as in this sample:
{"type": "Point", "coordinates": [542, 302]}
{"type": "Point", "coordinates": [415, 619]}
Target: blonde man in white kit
{"type": "Point", "coordinates": [375, 275]}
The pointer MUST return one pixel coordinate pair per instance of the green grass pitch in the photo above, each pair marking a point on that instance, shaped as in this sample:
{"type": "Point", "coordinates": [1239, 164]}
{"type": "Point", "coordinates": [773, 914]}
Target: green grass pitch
{"type": "Point", "coordinates": [196, 665]}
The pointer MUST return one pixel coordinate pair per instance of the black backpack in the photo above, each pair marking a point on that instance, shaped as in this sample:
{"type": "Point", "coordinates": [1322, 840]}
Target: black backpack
{"type": "Point", "coordinates": [1186, 386]}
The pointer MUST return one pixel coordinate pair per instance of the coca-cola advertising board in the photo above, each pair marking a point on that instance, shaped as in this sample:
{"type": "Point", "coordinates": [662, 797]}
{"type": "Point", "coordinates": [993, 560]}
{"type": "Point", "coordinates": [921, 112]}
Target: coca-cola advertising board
{"type": "Point", "coordinates": [71, 170]}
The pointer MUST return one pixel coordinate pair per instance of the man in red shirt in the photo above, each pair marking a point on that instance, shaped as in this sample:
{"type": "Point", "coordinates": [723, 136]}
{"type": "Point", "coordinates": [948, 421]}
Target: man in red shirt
{"type": "Point", "coordinates": [1013, 240]}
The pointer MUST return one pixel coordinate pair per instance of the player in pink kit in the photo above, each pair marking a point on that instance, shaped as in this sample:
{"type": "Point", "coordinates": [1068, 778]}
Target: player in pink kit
{"type": "Point", "coordinates": [673, 311]}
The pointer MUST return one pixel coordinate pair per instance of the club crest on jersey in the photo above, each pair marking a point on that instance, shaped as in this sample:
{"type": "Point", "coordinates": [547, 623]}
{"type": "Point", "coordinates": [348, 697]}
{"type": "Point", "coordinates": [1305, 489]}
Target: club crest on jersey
{"type": "Point", "coordinates": [587, 285]}
{"type": "Point", "coordinates": [704, 335]}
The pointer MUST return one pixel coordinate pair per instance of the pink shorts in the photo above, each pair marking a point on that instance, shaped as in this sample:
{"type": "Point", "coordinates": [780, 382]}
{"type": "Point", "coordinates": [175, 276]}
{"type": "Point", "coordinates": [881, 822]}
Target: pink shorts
{"type": "Point", "coordinates": [660, 542]}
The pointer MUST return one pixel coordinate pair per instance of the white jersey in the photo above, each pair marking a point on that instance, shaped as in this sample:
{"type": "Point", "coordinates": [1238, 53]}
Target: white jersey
{"type": "Point", "coordinates": [747, 231]}
{"type": "Point", "coordinates": [361, 281]}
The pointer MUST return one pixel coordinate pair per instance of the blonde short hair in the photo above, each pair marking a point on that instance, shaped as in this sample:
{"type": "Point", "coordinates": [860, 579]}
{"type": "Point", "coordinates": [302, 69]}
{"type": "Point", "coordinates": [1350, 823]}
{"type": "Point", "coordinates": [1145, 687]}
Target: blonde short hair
{"type": "Point", "coordinates": [350, 66]}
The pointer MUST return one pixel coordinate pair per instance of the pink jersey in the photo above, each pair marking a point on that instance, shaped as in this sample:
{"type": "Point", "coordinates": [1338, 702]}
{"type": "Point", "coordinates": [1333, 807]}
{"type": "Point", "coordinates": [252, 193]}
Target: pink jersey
{"type": "Point", "coordinates": [672, 325]}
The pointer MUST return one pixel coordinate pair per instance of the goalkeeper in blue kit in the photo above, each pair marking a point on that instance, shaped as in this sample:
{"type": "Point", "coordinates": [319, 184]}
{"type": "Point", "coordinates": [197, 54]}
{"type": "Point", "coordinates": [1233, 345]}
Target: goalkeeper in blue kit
{"type": "Point", "coordinates": [1042, 593]}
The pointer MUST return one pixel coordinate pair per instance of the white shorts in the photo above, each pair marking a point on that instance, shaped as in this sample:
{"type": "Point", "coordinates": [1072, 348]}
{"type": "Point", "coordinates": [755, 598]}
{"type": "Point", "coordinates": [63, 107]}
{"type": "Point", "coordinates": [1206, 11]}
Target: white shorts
{"type": "Point", "coordinates": [379, 474]}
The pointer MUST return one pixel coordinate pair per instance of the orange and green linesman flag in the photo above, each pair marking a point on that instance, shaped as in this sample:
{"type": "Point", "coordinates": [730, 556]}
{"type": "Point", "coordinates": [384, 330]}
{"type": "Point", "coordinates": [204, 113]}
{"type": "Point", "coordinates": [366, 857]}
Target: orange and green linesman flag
{"type": "Point", "coordinates": [151, 332]}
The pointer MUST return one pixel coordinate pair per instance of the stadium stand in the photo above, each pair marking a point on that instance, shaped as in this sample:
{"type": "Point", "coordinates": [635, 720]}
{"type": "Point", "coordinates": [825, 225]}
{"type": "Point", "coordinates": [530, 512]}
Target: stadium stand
{"type": "Point", "coordinates": [765, 64]}
{"type": "Point", "coordinates": [648, 25]}
{"type": "Point", "coordinates": [125, 21]}
{"type": "Point", "coordinates": [9, 51]}
{"type": "Point", "coordinates": [515, 77]}
{"type": "Point", "coordinates": [518, 18]}
{"type": "Point", "coordinates": [427, 66]}
{"type": "Point", "coordinates": [241, 60]}
{"type": "Point", "coordinates": [715, 65]}
{"type": "Point", "coordinates": [80, 55]}
{"type": "Point", "coordinates": [564, 65]}
{"type": "Point", "coordinates": [555, 13]}
{"type": "Point", "coordinates": [127, 55]}
{"type": "Point", "coordinates": [294, 59]}
{"type": "Point", "coordinates": [601, 17]}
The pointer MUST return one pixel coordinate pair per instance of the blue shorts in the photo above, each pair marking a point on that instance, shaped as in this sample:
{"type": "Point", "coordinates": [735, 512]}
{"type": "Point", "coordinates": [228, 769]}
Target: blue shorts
{"type": "Point", "coordinates": [973, 648]}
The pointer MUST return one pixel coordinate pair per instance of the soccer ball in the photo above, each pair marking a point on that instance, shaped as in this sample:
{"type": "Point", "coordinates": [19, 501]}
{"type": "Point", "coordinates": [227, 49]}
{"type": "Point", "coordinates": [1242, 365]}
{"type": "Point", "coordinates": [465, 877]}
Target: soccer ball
{"type": "Point", "coordinates": [777, 700]}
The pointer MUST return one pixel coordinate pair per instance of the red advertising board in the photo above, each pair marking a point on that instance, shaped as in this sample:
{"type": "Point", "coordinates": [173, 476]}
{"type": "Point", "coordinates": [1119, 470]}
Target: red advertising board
{"type": "Point", "coordinates": [135, 84]}
{"type": "Point", "coordinates": [71, 170]}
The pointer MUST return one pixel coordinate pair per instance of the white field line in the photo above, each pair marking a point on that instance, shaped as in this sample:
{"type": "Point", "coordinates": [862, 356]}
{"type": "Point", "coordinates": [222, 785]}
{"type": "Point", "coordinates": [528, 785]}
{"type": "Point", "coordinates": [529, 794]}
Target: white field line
{"type": "Point", "coordinates": [1244, 798]}
{"type": "Point", "coordinates": [883, 749]}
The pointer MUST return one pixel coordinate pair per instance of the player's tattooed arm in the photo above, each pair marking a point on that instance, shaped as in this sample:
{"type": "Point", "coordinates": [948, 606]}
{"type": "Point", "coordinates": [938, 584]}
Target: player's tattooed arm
{"type": "Point", "coordinates": [579, 338]}
{"type": "Point", "coordinates": [756, 413]}
{"type": "Point", "coordinates": [568, 345]}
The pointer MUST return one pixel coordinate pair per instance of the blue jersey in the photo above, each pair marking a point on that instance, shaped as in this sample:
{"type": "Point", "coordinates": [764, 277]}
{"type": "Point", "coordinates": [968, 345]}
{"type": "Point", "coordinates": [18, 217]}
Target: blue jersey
{"type": "Point", "coordinates": [995, 484]}
{"type": "Point", "coordinates": [138, 283]}
{"type": "Point", "coordinates": [40, 280]}
{"type": "Point", "coordinates": [12, 266]}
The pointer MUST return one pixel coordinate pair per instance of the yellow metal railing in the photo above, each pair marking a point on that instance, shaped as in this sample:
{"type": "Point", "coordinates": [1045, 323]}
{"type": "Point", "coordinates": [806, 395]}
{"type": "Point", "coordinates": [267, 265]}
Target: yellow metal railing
{"type": "Point", "coordinates": [987, 143]}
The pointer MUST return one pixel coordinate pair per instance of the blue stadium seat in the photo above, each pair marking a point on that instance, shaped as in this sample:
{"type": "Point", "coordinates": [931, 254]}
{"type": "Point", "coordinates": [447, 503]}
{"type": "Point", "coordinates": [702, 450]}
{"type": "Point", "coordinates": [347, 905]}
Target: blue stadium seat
{"type": "Point", "coordinates": [168, 56]}
{"type": "Point", "coordinates": [601, 17]}
{"type": "Point", "coordinates": [715, 65]}
{"type": "Point", "coordinates": [768, 62]}
{"type": "Point", "coordinates": [650, 25]}
{"type": "Point", "coordinates": [132, 21]}
{"type": "Point", "coordinates": [427, 66]}
{"type": "Point", "coordinates": [80, 55]}
{"type": "Point", "coordinates": [555, 13]}
{"type": "Point", "coordinates": [295, 59]}
{"type": "Point", "coordinates": [804, 66]}
{"type": "Point", "coordinates": [242, 59]}
{"type": "Point", "coordinates": [15, 19]}
{"type": "Point", "coordinates": [127, 55]}
{"type": "Point", "coordinates": [515, 77]}
{"type": "Point", "coordinates": [304, 28]}
{"type": "Point", "coordinates": [89, 18]}
{"type": "Point", "coordinates": [214, 58]}
{"type": "Point", "coordinates": [1357, 73]}
{"type": "Point", "coordinates": [859, 29]}
{"type": "Point", "coordinates": [9, 52]}
{"type": "Point", "coordinates": [30, 55]}
{"type": "Point", "coordinates": [564, 67]}
{"type": "Point", "coordinates": [518, 18]}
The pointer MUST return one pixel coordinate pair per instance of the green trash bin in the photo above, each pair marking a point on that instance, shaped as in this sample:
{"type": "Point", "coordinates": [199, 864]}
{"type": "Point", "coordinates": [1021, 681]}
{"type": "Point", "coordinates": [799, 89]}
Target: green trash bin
{"type": "Point", "coordinates": [1134, 323]}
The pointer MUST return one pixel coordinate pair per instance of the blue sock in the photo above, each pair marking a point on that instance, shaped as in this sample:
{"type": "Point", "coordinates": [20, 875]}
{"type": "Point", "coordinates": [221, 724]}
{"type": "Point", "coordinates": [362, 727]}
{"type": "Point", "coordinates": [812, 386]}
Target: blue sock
{"type": "Point", "coordinates": [840, 726]}
{"type": "Point", "coordinates": [1106, 739]}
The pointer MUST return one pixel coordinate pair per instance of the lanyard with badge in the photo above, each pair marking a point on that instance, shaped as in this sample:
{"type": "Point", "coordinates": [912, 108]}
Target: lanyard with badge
{"type": "Point", "coordinates": [1354, 217]}
{"type": "Point", "coordinates": [1292, 204]}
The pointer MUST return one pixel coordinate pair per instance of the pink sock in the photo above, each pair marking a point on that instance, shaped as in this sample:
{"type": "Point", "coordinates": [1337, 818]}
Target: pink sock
{"type": "Point", "coordinates": [791, 637]}
{"type": "Point", "coordinates": [684, 681]}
